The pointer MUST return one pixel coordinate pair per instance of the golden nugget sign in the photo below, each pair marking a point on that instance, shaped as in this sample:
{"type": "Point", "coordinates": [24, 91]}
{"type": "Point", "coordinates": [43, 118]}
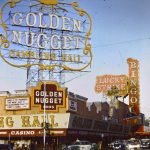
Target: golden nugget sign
{"type": "Point", "coordinates": [104, 83]}
{"type": "Point", "coordinates": [36, 33]}
{"type": "Point", "coordinates": [49, 96]}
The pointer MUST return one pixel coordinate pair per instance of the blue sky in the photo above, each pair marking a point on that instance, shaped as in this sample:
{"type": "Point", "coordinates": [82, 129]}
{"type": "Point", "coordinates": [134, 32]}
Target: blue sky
{"type": "Point", "coordinates": [121, 29]}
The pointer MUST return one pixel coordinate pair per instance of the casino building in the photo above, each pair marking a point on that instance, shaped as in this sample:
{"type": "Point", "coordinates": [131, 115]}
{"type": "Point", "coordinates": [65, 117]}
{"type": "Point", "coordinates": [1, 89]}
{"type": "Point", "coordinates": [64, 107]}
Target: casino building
{"type": "Point", "coordinates": [22, 117]}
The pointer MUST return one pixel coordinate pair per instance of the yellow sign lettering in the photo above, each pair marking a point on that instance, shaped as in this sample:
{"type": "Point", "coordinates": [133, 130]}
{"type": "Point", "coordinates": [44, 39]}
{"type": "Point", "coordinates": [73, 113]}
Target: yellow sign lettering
{"type": "Point", "coordinates": [25, 121]}
{"type": "Point", "coordinates": [36, 122]}
{"type": "Point", "coordinates": [2, 122]}
{"type": "Point", "coordinates": [9, 122]}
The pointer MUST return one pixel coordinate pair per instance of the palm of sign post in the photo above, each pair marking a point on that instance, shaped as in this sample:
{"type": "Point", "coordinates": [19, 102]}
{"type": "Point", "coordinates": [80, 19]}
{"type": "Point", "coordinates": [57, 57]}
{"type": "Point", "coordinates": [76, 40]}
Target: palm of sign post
{"type": "Point", "coordinates": [113, 93]}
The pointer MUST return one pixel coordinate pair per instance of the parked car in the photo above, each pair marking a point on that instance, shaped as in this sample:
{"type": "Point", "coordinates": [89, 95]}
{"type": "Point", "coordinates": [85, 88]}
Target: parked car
{"type": "Point", "coordinates": [110, 145]}
{"type": "Point", "coordinates": [82, 145]}
{"type": "Point", "coordinates": [133, 144]}
{"type": "Point", "coordinates": [119, 145]}
{"type": "Point", "coordinates": [145, 143]}
{"type": "Point", "coordinates": [72, 147]}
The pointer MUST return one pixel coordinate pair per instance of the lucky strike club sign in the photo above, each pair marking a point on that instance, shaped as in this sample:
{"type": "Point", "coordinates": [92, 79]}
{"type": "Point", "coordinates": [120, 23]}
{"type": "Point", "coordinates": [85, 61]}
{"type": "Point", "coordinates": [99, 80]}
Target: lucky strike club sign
{"type": "Point", "coordinates": [104, 83]}
{"type": "Point", "coordinates": [45, 31]}
{"type": "Point", "coordinates": [49, 96]}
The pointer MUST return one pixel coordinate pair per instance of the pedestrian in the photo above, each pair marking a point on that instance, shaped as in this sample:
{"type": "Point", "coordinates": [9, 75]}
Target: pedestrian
{"type": "Point", "coordinates": [100, 145]}
{"type": "Point", "coordinates": [11, 145]}
{"type": "Point", "coordinates": [33, 146]}
{"type": "Point", "coordinates": [15, 146]}
{"type": "Point", "coordinates": [18, 147]}
{"type": "Point", "coordinates": [25, 147]}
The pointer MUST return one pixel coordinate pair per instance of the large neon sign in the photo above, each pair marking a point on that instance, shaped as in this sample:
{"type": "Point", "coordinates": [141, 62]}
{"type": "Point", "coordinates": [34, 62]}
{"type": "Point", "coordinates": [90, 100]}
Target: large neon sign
{"type": "Point", "coordinates": [134, 86]}
{"type": "Point", "coordinates": [44, 33]}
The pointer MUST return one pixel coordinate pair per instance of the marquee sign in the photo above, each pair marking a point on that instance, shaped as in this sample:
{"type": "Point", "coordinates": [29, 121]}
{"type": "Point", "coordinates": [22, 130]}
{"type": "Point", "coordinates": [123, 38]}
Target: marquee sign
{"type": "Point", "coordinates": [132, 121]}
{"type": "Point", "coordinates": [17, 103]}
{"type": "Point", "coordinates": [49, 96]}
{"type": "Point", "coordinates": [33, 132]}
{"type": "Point", "coordinates": [44, 33]}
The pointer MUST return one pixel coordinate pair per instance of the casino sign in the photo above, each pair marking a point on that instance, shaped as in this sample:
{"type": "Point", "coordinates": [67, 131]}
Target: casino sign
{"type": "Point", "coordinates": [44, 33]}
{"type": "Point", "coordinates": [49, 95]}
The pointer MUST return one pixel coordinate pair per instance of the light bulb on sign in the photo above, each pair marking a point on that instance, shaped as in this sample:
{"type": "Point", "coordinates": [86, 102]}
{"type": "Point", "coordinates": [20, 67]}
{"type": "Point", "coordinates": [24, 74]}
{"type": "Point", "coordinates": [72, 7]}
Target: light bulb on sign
{"type": "Point", "coordinates": [49, 2]}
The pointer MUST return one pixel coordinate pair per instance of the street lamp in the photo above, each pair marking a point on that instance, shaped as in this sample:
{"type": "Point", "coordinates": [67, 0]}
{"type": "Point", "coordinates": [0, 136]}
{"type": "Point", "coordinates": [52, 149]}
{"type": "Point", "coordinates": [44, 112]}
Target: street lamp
{"type": "Point", "coordinates": [45, 124]}
{"type": "Point", "coordinates": [44, 120]}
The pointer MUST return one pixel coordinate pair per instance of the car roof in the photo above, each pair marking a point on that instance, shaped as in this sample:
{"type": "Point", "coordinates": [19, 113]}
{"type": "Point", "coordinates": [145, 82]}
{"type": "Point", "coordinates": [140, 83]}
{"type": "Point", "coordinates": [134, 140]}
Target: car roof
{"type": "Point", "coordinates": [81, 141]}
{"type": "Point", "coordinates": [145, 139]}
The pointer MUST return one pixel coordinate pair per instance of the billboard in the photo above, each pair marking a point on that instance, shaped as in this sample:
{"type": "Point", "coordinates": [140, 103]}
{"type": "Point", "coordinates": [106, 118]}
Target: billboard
{"type": "Point", "coordinates": [40, 35]}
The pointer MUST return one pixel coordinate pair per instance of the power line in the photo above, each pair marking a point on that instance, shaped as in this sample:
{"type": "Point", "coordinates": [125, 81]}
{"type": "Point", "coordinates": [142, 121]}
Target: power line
{"type": "Point", "coordinates": [122, 42]}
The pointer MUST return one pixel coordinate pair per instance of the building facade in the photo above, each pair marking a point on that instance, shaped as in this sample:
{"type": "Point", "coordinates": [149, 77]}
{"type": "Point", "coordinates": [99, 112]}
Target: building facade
{"type": "Point", "coordinates": [23, 119]}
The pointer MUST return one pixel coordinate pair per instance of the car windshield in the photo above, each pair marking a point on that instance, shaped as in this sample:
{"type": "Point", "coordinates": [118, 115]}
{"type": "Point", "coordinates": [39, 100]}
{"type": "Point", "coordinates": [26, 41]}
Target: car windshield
{"type": "Point", "coordinates": [145, 140]}
{"type": "Point", "coordinates": [82, 143]}
{"type": "Point", "coordinates": [133, 141]}
{"type": "Point", "coordinates": [76, 143]}
{"type": "Point", "coordinates": [118, 142]}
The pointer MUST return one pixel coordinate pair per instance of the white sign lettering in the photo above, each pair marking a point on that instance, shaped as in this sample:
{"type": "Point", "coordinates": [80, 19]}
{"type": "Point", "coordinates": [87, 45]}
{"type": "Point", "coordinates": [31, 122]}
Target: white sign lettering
{"type": "Point", "coordinates": [17, 103]}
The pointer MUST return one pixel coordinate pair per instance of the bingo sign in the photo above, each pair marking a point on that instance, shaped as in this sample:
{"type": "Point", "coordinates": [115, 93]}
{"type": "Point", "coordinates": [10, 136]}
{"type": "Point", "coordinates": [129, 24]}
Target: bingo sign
{"type": "Point", "coordinates": [134, 93]}
{"type": "Point", "coordinates": [49, 96]}
{"type": "Point", "coordinates": [50, 34]}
